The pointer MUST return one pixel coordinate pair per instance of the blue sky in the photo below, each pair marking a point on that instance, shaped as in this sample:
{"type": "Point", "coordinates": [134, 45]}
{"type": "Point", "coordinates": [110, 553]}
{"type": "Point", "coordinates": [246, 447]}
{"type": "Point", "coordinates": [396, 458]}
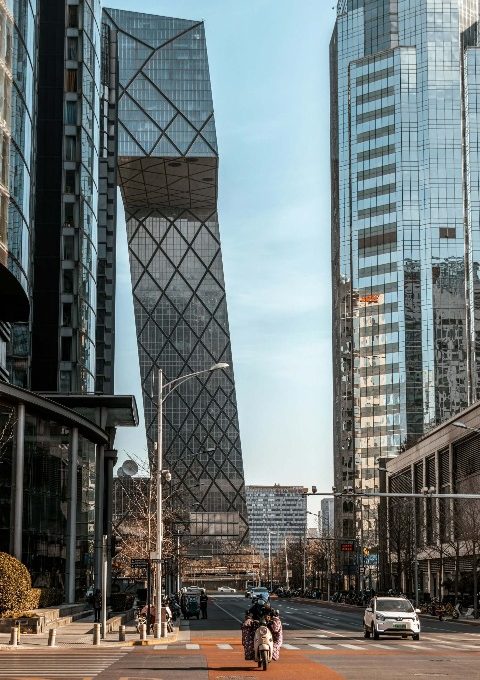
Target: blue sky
{"type": "Point", "coordinates": [269, 70]}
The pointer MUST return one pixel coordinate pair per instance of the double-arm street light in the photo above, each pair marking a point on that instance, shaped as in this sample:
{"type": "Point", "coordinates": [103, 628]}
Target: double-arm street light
{"type": "Point", "coordinates": [164, 390]}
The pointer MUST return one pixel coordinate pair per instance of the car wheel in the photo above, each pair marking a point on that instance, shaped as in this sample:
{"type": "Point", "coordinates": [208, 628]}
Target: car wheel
{"type": "Point", "coordinates": [366, 632]}
{"type": "Point", "coordinates": [375, 633]}
{"type": "Point", "coordinates": [416, 636]}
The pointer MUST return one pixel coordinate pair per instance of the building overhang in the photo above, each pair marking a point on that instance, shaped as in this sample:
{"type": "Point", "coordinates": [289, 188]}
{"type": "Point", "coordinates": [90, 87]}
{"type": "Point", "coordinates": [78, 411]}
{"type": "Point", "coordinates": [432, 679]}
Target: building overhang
{"type": "Point", "coordinates": [37, 404]}
{"type": "Point", "coordinates": [178, 182]}
{"type": "Point", "coordinates": [106, 410]}
{"type": "Point", "coordinates": [14, 302]}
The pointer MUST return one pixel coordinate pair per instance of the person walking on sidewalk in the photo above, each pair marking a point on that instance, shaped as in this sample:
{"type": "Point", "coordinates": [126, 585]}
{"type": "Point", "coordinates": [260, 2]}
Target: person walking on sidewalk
{"type": "Point", "coordinates": [97, 605]}
{"type": "Point", "coordinates": [204, 604]}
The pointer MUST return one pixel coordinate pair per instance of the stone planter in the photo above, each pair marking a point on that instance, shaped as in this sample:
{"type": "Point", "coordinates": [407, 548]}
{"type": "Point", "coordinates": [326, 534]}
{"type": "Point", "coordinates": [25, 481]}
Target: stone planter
{"type": "Point", "coordinates": [28, 624]}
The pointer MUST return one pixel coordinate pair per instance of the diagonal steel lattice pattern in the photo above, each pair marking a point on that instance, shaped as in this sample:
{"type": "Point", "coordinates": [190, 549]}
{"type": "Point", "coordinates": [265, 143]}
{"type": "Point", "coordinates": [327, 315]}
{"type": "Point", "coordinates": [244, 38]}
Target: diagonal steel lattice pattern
{"type": "Point", "coordinates": [168, 174]}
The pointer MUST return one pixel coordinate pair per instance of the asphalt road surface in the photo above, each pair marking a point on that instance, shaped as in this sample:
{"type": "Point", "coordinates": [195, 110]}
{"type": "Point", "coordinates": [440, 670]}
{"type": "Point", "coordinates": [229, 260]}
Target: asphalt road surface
{"type": "Point", "coordinates": [321, 641]}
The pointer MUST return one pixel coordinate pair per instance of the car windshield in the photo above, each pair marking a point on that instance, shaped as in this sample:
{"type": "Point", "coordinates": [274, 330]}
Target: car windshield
{"type": "Point", "coordinates": [391, 605]}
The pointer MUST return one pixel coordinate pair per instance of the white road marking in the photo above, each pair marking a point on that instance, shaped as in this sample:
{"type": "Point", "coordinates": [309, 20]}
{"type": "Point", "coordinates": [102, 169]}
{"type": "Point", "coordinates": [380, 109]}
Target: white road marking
{"type": "Point", "coordinates": [321, 636]}
{"type": "Point", "coordinates": [416, 647]}
{"type": "Point", "coordinates": [285, 646]}
{"type": "Point", "coordinates": [191, 645]}
{"type": "Point", "coordinates": [321, 647]}
{"type": "Point", "coordinates": [355, 647]}
{"type": "Point", "coordinates": [377, 644]}
{"type": "Point", "coordinates": [227, 612]}
{"type": "Point", "coordinates": [224, 646]}
{"type": "Point", "coordinates": [331, 632]}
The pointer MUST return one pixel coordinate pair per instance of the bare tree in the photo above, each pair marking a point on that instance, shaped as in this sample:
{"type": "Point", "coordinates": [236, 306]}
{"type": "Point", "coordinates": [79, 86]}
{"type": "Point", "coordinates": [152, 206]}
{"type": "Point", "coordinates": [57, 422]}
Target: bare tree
{"type": "Point", "coordinates": [401, 533]}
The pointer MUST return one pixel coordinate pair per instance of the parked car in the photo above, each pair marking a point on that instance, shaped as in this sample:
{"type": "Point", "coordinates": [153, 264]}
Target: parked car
{"type": "Point", "coordinates": [391, 616]}
{"type": "Point", "coordinates": [260, 591]}
{"type": "Point", "coordinates": [226, 589]}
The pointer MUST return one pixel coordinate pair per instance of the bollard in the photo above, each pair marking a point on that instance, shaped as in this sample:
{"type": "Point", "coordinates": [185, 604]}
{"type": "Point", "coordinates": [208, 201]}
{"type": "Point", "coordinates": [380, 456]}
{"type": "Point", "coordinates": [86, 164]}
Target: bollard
{"type": "Point", "coordinates": [143, 631]}
{"type": "Point", "coordinates": [96, 633]}
{"type": "Point", "coordinates": [156, 631]}
{"type": "Point", "coordinates": [14, 636]}
{"type": "Point", "coordinates": [52, 635]}
{"type": "Point", "coordinates": [121, 634]}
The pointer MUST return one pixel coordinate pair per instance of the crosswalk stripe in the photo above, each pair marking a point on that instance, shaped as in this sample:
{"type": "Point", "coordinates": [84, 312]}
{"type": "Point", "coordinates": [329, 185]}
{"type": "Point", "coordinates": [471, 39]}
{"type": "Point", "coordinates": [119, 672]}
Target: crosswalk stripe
{"type": "Point", "coordinates": [355, 647]}
{"type": "Point", "coordinates": [415, 647]}
{"type": "Point", "coordinates": [285, 646]}
{"type": "Point", "coordinates": [224, 646]}
{"type": "Point", "coordinates": [321, 647]}
{"type": "Point", "coordinates": [331, 632]}
{"type": "Point", "coordinates": [191, 645]}
{"type": "Point", "coordinates": [380, 646]}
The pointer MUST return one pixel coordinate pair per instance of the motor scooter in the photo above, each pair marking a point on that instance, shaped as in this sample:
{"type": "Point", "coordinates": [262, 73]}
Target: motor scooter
{"type": "Point", "coordinates": [263, 645]}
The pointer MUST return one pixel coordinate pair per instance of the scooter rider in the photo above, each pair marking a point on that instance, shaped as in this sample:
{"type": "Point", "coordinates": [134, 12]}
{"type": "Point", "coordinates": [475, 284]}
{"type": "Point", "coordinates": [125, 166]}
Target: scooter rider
{"type": "Point", "coordinates": [260, 609]}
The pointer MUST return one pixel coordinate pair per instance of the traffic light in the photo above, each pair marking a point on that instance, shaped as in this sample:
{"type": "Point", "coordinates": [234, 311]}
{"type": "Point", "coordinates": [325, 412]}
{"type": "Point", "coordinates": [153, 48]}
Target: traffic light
{"type": "Point", "coordinates": [314, 489]}
{"type": "Point", "coordinates": [115, 547]}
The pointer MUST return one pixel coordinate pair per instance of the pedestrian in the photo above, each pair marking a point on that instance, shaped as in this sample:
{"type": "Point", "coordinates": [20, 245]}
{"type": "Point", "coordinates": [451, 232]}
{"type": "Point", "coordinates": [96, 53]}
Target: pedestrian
{"type": "Point", "coordinates": [97, 604]}
{"type": "Point", "coordinates": [183, 604]}
{"type": "Point", "coordinates": [204, 604]}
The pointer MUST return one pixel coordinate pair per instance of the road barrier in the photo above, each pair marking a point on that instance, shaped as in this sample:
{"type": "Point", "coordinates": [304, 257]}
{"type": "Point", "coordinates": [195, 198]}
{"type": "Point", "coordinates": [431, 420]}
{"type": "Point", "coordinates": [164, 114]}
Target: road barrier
{"type": "Point", "coordinates": [52, 636]}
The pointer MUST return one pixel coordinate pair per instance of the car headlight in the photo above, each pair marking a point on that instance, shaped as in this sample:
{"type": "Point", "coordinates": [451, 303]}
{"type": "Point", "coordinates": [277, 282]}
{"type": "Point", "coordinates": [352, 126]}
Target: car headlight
{"type": "Point", "coordinates": [380, 617]}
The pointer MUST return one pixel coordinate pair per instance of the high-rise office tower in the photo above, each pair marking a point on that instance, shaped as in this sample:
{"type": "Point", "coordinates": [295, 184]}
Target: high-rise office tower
{"type": "Point", "coordinates": [17, 85]}
{"type": "Point", "coordinates": [405, 230]}
{"type": "Point", "coordinates": [66, 208]}
{"type": "Point", "coordinates": [22, 104]}
{"type": "Point", "coordinates": [168, 174]}
{"type": "Point", "coordinates": [276, 513]}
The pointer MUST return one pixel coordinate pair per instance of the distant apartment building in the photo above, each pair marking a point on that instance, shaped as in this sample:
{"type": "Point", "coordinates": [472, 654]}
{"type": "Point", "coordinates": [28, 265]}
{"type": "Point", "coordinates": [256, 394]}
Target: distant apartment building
{"type": "Point", "coordinates": [325, 517]}
{"type": "Point", "coordinates": [275, 513]}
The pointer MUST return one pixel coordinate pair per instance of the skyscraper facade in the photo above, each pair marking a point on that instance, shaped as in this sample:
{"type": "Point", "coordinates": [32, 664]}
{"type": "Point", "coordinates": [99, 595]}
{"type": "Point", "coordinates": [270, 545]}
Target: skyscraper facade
{"type": "Point", "coordinates": [168, 174]}
{"type": "Point", "coordinates": [276, 513]}
{"type": "Point", "coordinates": [405, 231]}
{"type": "Point", "coordinates": [22, 103]}
{"type": "Point", "coordinates": [66, 207]}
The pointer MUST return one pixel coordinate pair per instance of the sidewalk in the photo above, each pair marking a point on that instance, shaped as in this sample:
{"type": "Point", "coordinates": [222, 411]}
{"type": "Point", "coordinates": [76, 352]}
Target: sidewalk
{"type": "Point", "coordinates": [81, 634]}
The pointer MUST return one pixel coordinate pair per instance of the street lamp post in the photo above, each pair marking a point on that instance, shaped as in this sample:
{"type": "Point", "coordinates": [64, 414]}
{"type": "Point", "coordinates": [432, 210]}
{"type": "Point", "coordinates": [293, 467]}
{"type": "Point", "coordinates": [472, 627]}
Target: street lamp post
{"type": "Point", "coordinates": [164, 390]}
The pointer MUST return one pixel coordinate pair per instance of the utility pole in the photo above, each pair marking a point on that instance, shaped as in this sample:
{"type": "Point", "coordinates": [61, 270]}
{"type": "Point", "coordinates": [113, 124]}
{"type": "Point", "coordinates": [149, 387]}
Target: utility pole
{"type": "Point", "coordinates": [287, 581]}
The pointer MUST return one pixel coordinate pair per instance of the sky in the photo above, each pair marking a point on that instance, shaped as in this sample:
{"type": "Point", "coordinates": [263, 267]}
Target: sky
{"type": "Point", "coordinates": [269, 69]}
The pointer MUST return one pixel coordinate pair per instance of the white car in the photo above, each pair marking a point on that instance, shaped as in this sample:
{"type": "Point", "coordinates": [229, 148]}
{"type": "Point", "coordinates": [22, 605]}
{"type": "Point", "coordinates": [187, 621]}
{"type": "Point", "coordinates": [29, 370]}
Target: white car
{"type": "Point", "coordinates": [391, 616]}
{"type": "Point", "coordinates": [226, 589]}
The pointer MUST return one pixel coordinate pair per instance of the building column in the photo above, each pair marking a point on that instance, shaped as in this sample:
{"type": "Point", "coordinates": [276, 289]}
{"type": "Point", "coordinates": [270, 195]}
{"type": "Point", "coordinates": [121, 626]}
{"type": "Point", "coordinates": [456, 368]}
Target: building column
{"type": "Point", "coordinates": [71, 518]}
{"type": "Point", "coordinates": [99, 511]}
{"type": "Point", "coordinates": [110, 459]}
{"type": "Point", "coordinates": [16, 520]}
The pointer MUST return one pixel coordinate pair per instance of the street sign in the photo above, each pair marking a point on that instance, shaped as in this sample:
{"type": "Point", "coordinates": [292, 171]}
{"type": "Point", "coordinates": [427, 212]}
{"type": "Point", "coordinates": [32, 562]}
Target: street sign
{"type": "Point", "coordinates": [139, 563]}
{"type": "Point", "coordinates": [347, 547]}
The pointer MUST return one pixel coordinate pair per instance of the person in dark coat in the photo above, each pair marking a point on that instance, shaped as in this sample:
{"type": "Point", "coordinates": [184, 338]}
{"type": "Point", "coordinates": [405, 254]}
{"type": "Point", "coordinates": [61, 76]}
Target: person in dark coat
{"type": "Point", "coordinates": [183, 604]}
{"type": "Point", "coordinates": [97, 604]}
{"type": "Point", "coordinates": [204, 604]}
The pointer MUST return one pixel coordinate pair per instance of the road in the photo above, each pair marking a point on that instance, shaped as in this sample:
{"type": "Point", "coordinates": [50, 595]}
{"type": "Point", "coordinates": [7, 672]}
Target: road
{"type": "Point", "coordinates": [321, 641]}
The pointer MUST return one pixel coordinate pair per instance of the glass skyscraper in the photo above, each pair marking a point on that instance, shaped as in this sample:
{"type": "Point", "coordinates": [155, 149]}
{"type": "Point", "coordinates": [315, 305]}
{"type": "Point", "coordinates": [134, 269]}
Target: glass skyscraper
{"type": "Point", "coordinates": [405, 231]}
{"type": "Point", "coordinates": [168, 173]}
